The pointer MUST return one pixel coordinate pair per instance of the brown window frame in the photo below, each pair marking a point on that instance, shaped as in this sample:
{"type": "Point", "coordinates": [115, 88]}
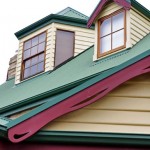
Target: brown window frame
{"type": "Point", "coordinates": [60, 29]}
{"type": "Point", "coordinates": [99, 54]}
{"type": "Point", "coordinates": [35, 55]}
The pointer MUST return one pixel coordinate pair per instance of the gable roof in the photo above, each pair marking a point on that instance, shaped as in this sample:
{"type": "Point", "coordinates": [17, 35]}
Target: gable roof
{"type": "Point", "coordinates": [67, 16]}
{"type": "Point", "coordinates": [125, 3]}
{"type": "Point", "coordinates": [70, 12]}
{"type": "Point", "coordinates": [58, 81]}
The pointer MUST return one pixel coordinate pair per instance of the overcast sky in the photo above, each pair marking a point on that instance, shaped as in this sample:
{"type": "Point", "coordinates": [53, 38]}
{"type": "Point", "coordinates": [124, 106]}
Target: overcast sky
{"type": "Point", "coordinates": [17, 14]}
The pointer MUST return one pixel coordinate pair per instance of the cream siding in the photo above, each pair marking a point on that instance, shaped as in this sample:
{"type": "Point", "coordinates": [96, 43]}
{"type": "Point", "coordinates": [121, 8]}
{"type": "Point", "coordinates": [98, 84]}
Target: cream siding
{"type": "Point", "coordinates": [125, 110]}
{"type": "Point", "coordinates": [140, 26]}
{"type": "Point", "coordinates": [84, 38]}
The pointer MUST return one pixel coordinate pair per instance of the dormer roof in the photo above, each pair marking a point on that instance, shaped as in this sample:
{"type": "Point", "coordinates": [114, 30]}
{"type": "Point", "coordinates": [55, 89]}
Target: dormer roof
{"type": "Point", "coordinates": [124, 3]}
{"type": "Point", "coordinates": [67, 16]}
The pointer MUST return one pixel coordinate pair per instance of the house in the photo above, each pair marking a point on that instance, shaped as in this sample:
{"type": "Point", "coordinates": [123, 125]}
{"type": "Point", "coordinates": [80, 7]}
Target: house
{"type": "Point", "coordinates": [93, 97]}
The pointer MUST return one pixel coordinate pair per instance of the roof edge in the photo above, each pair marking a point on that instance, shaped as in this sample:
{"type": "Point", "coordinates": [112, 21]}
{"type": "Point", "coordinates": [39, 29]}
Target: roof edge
{"type": "Point", "coordinates": [92, 138]}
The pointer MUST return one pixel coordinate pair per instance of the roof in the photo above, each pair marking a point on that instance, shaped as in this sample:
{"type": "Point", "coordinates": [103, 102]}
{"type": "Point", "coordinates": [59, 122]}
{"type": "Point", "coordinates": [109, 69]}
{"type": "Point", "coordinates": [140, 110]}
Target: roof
{"type": "Point", "coordinates": [67, 16]}
{"type": "Point", "coordinates": [59, 80]}
{"type": "Point", "coordinates": [125, 3]}
{"type": "Point", "coordinates": [70, 12]}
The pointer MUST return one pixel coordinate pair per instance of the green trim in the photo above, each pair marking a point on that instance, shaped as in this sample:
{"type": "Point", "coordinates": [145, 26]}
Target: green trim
{"type": "Point", "coordinates": [92, 138]}
{"type": "Point", "coordinates": [140, 8]}
{"type": "Point", "coordinates": [53, 18]}
{"type": "Point", "coordinates": [3, 132]}
{"type": "Point", "coordinates": [77, 89]}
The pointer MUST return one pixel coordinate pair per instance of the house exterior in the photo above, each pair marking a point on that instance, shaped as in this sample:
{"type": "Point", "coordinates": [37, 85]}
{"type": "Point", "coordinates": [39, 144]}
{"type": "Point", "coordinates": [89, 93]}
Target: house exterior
{"type": "Point", "coordinates": [81, 83]}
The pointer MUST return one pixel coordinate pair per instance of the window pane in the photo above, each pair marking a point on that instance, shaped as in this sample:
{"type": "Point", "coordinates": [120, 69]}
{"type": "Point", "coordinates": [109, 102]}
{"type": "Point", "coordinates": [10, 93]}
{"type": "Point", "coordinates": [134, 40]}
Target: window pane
{"type": "Point", "coordinates": [41, 57]}
{"type": "Point", "coordinates": [27, 45]}
{"type": "Point", "coordinates": [33, 50]}
{"type": "Point", "coordinates": [34, 41]}
{"type": "Point", "coordinates": [41, 47]}
{"type": "Point", "coordinates": [41, 67]}
{"type": "Point", "coordinates": [118, 39]}
{"type": "Point", "coordinates": [64, 46]}
{"type": "Point", "coordinates": [34, 70]}
{"type": "Point", "coordinates": [26, 54]}
{"type": "Point", "coordinates": [42, 37]}
{"type": "Point", "coordinates": [27, 73]}
{"type": "Point", "coordinates": [34, 61]}
{"type": "Point", "coordinates": [105, 27]}
{"type": "Point", "coordinates": [118, 21]}
{"type": "Point", "coordinates": [27, 64]}
{"type": "Point", "coordinates": [105, 44]}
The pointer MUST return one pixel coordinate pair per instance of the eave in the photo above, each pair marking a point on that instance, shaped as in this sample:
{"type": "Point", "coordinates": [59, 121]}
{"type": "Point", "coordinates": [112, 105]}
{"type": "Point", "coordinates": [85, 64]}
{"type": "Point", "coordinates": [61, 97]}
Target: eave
{"type": "Point", "coordinates": [22, 128]}
{"type": "Point", "coordinates": [52, 18]}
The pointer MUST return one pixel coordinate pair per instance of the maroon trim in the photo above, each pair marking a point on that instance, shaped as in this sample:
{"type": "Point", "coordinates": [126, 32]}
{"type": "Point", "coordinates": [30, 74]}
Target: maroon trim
{"type": "Point", "coordinates": [85, 97]}
{"type": "Point", "coordinates": [101, 5]}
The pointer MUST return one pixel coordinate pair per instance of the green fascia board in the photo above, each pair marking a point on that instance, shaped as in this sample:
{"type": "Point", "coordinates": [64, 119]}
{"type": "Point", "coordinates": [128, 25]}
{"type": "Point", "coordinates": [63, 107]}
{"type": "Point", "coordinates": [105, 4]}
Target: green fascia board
{"type": "Point", "coordinates": [96, 138]}
{"type": "Point", "coordinates": [140, 8]}
{"type": "Point", "coordinates": [3, 132]}
{"type": "Point", "coordinates": [77, 89]}
{"type": "Point", "coordinates": [48, 20]}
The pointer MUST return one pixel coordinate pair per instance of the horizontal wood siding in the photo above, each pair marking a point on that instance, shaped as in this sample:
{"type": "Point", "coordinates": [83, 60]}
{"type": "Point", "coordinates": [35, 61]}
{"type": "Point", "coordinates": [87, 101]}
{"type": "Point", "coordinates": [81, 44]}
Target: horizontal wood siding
{"type": "Point", "coordinates": [84, 38]}
{"type": "Point", "coordinates": [126, 109]}
{"type": "Point", "coordinates": [140, 26]}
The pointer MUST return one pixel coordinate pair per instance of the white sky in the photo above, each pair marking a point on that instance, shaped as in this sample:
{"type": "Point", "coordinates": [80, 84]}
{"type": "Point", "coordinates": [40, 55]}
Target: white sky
{"type": "Point", "coordinates": [17, 14]}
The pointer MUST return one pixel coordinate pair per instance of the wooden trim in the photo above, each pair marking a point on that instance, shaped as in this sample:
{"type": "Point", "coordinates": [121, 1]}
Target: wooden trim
{"type": "Point", "coordinates": [23, 60]}
{"type": "Point", "coordinates": [99, 54]}
{"type": "Point", "coordinates": [89, 95]}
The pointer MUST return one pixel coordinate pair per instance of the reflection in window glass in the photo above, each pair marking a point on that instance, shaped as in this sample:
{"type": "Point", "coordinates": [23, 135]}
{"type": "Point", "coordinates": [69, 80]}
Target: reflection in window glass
{"type": "Point", "coordinates": [27, 45]}
{"type": "Point", "coordinates": [27, 54]}
{"type": "Point", "coordinates": [42, 37]}
{"type": "Point", "coordinates": [41, 47]}
{"type": "Point", "coordinates": [118, 39]}
{"type": "Point", "coordinates": [34, 70]}
{"type": "Point", "coordinates": [41, 67]}
{"type": "Point", "coordinates": [105, 27]}
{"type": "Point", "coordinates": [27, 73]}
{"type": "Point", "coordinates": [34, 41]}
{"type": "Point", "coordinates": [118, 22]}
{"type": "Point", "coordinates": [105, 44]}
{"type": "Point", "coordinates": [34, 56]}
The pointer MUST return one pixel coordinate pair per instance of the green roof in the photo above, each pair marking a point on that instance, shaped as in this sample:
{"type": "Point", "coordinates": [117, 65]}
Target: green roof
{"type": "Point", "coordinates": [67, 16]}
{"type": "Point", "coordinates": [76, 72]}
{"type": "Point", "coordinates": [70, 12]}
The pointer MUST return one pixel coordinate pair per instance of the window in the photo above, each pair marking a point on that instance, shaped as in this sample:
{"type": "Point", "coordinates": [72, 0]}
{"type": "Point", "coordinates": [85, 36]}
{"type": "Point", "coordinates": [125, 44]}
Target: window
{"type": "Point", "coordinates": [33, 56]}
{"type": "Point", "coordinates": [111, 36]}
{"type": "Point", "coordinates": [64, 46]}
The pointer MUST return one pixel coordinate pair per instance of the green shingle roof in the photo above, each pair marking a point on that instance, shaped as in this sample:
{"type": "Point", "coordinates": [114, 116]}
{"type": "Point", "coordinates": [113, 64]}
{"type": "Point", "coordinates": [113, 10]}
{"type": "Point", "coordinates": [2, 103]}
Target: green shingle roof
{"type": "Point", "coordinates": [70, 74]}
{"type": "Point", "coordinates": [70, 12]}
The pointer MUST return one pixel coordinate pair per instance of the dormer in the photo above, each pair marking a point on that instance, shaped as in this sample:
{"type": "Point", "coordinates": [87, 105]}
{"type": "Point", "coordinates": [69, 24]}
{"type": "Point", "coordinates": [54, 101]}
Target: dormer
{"type": "Point", "coordinates": [51, 41]}
{"type": "Point", "coordinates": [119, 25]}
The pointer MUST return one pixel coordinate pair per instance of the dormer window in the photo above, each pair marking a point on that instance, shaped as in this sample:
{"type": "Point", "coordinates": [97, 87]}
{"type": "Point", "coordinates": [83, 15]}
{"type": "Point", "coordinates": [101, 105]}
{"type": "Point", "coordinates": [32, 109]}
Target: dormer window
{"type": "Point", "coordinates": [112, 33]}
{"type": "Point", "coordinates": [34, 56]}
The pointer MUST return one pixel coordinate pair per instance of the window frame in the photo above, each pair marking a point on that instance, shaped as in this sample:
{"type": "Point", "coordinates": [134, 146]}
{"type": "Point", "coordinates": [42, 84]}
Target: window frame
{"type": "Point", "coordinates": [29, 58]}
{"type": "Point", "coordinates": [99, 54]}
{"type": "Point", "coordinates": [65, 30]}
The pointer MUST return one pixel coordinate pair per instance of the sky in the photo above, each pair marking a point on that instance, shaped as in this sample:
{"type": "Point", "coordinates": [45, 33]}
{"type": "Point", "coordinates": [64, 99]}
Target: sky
{"type": "Point", "coordinates": [17, 14]}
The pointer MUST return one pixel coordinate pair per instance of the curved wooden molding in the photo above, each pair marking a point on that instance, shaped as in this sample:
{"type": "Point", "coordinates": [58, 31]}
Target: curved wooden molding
{"type": "Point", "coordinates": [101, 5]}
{"type": "Point", "coordinates": [85, 97]}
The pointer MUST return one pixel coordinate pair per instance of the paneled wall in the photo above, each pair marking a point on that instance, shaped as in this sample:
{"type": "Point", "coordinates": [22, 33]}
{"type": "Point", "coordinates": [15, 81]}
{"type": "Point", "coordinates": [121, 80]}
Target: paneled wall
{"type": "Point", "coordinates": [84, 38]}
{"type": "Point", "coordinates": [124, 110]}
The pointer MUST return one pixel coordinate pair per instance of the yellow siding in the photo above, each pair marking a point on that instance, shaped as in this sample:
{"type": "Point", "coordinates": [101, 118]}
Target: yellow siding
{"type": "Point", "coordinates": [125, 110]}
{"type": "Point", "coordinates": [140, 26]}
{"type": "Point", "coordinates": [84, 38]}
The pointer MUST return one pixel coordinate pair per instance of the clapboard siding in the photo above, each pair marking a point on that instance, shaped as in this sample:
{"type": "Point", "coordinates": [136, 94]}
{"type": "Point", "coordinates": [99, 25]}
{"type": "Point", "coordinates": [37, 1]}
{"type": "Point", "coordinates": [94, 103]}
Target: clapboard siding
{"type": "Point", "coordinates": [126, 109]}
{"type": "Point", "coordinates": [140, 26]}
{"type": "Point", "coordinates": [84, 38]}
